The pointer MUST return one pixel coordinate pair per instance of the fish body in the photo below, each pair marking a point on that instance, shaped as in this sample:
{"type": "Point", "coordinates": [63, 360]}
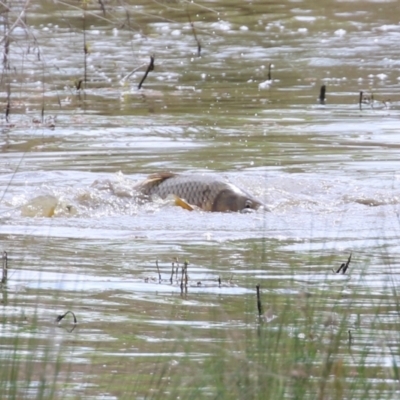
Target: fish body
{"type": "Point", "coordinates": [206, 192]}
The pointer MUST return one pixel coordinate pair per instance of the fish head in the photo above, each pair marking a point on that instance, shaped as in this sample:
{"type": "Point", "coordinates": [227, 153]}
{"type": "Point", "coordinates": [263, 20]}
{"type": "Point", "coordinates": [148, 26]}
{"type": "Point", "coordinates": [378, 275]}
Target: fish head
{"type": "Point", "coordinates": [235, 199]}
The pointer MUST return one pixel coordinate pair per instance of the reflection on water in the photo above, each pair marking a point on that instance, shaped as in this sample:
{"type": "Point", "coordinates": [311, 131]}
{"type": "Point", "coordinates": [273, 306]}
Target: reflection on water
{"type": "Point", "coordinates": [328, 172]}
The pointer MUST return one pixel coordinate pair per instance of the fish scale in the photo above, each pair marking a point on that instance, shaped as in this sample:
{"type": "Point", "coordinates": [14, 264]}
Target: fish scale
{"type": "Point", "coordinates": [204, 191]}
{"type": "Point", "coordinates": [197, 190]}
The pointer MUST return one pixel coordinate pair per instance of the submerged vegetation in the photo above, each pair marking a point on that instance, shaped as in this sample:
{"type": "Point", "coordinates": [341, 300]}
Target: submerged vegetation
{"type": "Point", "coordinates": [234, 307]}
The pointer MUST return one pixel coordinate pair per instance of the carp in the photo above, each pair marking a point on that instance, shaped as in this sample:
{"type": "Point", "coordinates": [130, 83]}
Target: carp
{"type": "Point", "coordinates": [208, 193]}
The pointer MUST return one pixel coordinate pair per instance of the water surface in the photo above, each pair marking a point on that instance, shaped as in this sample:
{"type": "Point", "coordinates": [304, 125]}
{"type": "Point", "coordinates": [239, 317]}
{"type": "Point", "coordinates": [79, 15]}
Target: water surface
{"type": "Point", "coordinates": [328, 172]}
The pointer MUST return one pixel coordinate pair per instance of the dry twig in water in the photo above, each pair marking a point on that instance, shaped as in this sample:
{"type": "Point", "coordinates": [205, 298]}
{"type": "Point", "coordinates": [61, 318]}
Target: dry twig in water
{"type": "Point", "coordinates": [172, 272]}
{"type": "Point", "coordinates": [344, 266]}
{"type": "Point", "coordinates": [158, 270]}
{"type": "Point", "coordinates": [60, 317]}
{"type": "Point", "coordinates": [195, 36]}
{"type": "Point", "coordinates": [321, 97]}
{"type": "Point", "coordinates": [259, 305]}
{"type": "Point", "coordinates": [149, 68]}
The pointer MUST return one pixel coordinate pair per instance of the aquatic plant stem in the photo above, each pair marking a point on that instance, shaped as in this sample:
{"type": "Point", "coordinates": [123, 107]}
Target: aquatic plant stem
{"type": "Point", "coordinates": [5, 268]}
{"type": "Point", "coordinates": [85, 48]}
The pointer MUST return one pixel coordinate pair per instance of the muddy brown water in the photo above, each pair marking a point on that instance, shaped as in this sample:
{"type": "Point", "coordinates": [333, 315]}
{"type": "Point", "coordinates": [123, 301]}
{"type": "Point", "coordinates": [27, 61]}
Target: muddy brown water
{"type": "Point", "coordinates": [328, 172]}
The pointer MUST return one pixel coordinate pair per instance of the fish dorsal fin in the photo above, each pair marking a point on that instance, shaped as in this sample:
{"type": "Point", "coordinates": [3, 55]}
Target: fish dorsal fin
{"type": "Point", "coordinates": [152, 181]}
{"type": "Point", "coordinates": [159, 177]}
